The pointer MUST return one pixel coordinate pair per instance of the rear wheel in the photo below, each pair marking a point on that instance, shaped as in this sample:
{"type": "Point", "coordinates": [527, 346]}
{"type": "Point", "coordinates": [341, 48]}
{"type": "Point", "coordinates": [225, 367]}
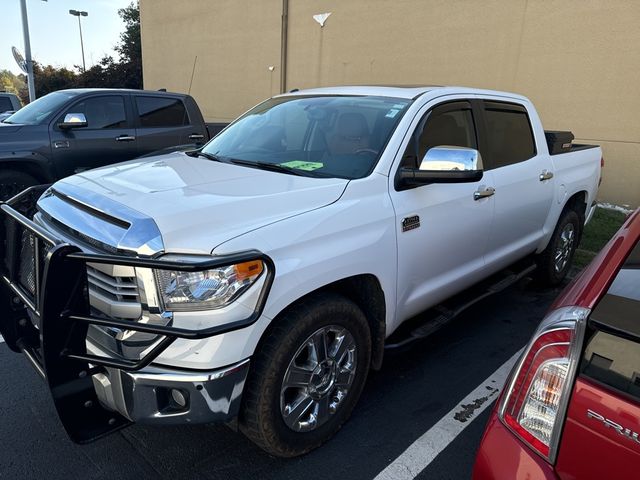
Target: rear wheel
{"type": "Point", "coordinates": [307, 376]}
{"type": "Point", "coordinates": [555, 261]}
{"type": "Point", "coordinates": [12, 183]}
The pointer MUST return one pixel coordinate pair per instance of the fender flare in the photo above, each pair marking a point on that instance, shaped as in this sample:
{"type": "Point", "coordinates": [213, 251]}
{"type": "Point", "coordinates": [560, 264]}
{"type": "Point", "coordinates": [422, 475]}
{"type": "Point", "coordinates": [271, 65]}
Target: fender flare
{"type": "Point", "coordinates": [30, 162]}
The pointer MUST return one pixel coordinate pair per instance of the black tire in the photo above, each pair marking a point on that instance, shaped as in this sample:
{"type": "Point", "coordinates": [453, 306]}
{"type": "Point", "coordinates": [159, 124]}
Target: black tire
{"type": "Point", "coordinates": [262, 413]}
{"type": "Point", "coordinates": [551, 270]}
{"type": "Point", "coordinates": [12, 183]}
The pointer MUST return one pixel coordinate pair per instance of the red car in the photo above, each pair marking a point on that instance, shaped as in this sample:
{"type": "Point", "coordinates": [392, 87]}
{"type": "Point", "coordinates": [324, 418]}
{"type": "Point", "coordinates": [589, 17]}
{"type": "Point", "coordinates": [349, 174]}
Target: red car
{"type": "Point", "coordinates": [571, 407]}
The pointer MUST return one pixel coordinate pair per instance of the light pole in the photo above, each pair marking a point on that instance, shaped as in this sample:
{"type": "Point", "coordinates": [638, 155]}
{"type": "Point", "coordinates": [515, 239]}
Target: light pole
{"type": "Point", "coordinates": [78, 13]}
{"type": "Point", "coordinates": [27, 50]}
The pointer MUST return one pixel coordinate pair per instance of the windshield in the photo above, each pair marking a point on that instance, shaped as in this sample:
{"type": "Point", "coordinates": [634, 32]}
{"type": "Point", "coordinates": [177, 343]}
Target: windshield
{"type": "Point", "coordinates": [39, 110]}
{"type": "Point", "coordinates": [323, 136]}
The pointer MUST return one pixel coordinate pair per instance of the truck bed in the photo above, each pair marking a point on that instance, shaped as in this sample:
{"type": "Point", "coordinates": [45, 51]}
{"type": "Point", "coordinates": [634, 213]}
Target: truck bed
{"type": "Point", "coordinates": [559, 142]}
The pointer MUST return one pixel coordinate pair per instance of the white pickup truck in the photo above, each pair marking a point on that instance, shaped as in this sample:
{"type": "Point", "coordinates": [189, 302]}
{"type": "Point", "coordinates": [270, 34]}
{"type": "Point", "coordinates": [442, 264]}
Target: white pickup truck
{"type": "Point", "coordinates": [258, 278]}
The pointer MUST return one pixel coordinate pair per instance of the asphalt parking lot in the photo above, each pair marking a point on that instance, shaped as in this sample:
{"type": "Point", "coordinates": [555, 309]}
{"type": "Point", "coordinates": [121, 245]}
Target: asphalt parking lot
{"type": "Point", "coordinates": [412, 392]}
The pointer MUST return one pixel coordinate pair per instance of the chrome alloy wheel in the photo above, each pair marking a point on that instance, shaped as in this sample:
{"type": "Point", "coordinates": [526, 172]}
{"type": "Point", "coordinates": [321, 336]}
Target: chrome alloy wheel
{"type": "Point", "coordinates": [563, 251]}
{"type": "Point", "coordinates": [318, 378]}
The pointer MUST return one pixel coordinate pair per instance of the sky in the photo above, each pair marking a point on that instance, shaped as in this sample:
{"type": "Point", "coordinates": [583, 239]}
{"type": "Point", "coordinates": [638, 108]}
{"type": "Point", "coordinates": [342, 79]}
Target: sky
{"type": "Point", "coordinates": [55, 37]}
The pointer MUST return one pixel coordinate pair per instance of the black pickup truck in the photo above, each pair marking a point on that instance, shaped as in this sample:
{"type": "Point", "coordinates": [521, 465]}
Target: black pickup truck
{"type": "Point", "coordinates": [69, 131]}
{"type": "Point", "coordinates": [9, 103]}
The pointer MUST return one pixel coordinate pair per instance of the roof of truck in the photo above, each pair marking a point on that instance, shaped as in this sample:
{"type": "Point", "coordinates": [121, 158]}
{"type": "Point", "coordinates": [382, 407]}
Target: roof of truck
{"type": "Point", "coordinates": [399, 91]}
{"type": "Point", "coordinates": [82, 91]}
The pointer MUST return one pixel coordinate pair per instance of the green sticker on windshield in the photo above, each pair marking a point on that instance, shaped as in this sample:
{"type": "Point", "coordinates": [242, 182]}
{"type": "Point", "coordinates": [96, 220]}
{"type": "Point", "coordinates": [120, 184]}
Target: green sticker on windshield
{"type": "Point", "coordinates": [300, 165]}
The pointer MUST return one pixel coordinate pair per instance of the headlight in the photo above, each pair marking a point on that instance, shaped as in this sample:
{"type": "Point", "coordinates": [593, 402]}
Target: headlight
{"type": "Point", "coordinates": [208, 289]}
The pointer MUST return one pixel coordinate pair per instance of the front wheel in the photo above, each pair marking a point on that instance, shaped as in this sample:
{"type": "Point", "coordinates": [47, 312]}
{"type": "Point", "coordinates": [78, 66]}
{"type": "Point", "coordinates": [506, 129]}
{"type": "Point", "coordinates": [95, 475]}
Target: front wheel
{"type": "Point", "coordinates": [555, 261]}
{"type": "Point", "coordinates": [307, 376]}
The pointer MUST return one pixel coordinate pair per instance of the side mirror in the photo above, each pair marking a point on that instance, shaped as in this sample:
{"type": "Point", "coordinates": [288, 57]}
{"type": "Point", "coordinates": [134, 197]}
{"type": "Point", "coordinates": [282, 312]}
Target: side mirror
{"type": "Point", "coordinates": [444, 165]}
{"type": "Point", "coordinates": [73, 120]}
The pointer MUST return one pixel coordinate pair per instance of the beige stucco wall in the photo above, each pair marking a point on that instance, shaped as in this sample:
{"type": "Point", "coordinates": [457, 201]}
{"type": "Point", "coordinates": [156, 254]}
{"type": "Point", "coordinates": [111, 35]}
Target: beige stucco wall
{"type": "Point", "coordinates": [578, 60]}
{"type": "Point", "coordinates": [235, 41]}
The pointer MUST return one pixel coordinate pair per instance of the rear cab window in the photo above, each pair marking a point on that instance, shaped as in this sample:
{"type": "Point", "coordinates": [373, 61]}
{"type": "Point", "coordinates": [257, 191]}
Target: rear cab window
{"type": "Point", "coordinates": [161, 112]}
{"type": "Point", "coordinates": [509, 134]}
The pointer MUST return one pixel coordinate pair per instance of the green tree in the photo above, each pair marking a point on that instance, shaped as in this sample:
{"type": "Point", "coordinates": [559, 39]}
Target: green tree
{"type": "Point", "coordinates": [127, 71]}
{"type": "Point", "coordinates": [50, 79]}
{"type": "Point", "coordinates": [9, 82]}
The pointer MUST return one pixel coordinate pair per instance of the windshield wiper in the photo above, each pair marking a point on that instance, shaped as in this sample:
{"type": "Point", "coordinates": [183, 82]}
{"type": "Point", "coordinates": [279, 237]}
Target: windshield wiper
{"type": "Point", "coordinates": [208, 156]}
{"type": "Point", "coordinates": [272, 167]}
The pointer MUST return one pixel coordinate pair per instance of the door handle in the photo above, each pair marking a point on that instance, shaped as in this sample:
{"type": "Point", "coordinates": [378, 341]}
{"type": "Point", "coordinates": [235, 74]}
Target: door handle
{"type": "Point", "coordinates": [483, 193]}
{"type": "Point", "coordinates": [125, 138]}
{"type": "Point", "coordinates": [196, 136]}
{"type": "Point", "coordinates": [546, 175]}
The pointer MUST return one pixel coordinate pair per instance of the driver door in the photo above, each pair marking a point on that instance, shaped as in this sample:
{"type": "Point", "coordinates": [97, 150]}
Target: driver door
{"type": "Point", "coordinates": [108, 137]}
{"type": "Point", "coordinates": [442, 228]}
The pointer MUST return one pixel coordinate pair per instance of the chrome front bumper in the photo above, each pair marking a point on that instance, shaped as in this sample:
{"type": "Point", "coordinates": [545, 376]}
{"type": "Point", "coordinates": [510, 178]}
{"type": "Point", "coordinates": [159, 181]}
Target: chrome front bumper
{"type": "Point", "coordinates": [162, 396]}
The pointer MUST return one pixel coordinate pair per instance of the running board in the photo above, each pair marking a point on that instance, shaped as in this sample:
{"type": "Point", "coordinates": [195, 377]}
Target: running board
{"type": "Point", "coordinates": [442, 314]}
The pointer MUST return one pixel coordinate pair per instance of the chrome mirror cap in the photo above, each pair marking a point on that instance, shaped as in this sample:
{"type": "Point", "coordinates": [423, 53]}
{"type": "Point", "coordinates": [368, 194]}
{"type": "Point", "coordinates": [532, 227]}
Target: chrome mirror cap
{"type": "Point", "coordinates": [74, 120]}
{"type": "Point", "coordinates": [449, 158]}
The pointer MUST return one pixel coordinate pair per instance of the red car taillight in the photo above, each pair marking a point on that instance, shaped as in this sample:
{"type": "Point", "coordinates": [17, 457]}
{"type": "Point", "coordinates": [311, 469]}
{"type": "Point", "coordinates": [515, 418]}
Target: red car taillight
{"type": "Point", "coordinates": [535, 401]}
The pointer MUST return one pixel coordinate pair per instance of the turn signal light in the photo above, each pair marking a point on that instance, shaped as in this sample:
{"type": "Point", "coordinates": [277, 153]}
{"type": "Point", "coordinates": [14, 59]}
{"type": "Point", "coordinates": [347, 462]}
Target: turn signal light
{"type": "Point", "coordinates": [248, 270]}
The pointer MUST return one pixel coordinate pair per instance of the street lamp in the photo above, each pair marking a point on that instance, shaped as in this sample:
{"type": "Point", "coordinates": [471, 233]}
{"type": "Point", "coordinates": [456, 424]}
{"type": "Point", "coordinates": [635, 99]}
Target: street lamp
{"type": "Point", "coordinates": [27, 50]}
{"type": "Point", "coordinates": [78, 13]}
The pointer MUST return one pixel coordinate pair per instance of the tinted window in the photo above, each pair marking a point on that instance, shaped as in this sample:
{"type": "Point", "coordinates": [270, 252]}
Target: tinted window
{"type": "Point", "coordinates": [613, 361]}
{"type": "Point", "coordinates": [161, 112]}
{"type": "Point", "coordinates": [102, 112]}
{"type": "Point", "coordinates": [509, 134]}
{"type": "Point", "coordinates": [324, 136]}
{"type": "Point", "coordinates": [446, 125]}
{"type": "Point", "coordinates": [5, 104]}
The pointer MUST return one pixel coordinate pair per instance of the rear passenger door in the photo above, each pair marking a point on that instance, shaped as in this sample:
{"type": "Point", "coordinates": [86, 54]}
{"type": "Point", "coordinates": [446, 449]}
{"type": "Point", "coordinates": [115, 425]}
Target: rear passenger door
{"type": "Point", "coordinates": [523, 181]}
{"type": "Point", "coordinates": [163, 122]}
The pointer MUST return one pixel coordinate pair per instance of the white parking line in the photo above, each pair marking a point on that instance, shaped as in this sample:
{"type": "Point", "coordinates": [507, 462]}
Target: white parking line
{"type": "Point", "coordinates": [1, 339]}
{"type": "Point", "coordinates": [426, 448]}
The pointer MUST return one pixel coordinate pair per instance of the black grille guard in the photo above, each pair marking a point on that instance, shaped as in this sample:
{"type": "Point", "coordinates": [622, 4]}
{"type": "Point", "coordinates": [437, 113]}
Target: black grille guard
{"type": "Point", "coordinates": [60, 304]}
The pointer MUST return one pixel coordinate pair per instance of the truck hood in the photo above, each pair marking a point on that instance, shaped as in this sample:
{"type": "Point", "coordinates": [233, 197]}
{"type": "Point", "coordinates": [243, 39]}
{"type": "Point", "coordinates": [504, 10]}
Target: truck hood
{"type": "Point", "coordinates": [195, 203]}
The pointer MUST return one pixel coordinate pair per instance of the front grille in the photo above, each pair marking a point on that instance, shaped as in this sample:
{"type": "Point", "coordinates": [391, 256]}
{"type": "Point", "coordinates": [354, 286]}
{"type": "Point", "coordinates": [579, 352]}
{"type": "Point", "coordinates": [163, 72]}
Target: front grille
{"type": "Point", "coordinates": [27, 259]}
{"type": "Point", "coordinates": [113, 291]}
{"type": "Point", "coordinates": [32, 252]}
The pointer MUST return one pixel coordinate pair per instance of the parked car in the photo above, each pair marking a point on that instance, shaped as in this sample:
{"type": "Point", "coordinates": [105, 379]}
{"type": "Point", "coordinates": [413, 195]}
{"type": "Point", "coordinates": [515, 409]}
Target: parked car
{"type": "Point", "coordinates": [9, 102]}
{"type": "Point", "coordinates": [71, 131]}
{"type": "Point", "coordinates": [257, 278]}
{"type": "Point", "coordinates": [571, 408]}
